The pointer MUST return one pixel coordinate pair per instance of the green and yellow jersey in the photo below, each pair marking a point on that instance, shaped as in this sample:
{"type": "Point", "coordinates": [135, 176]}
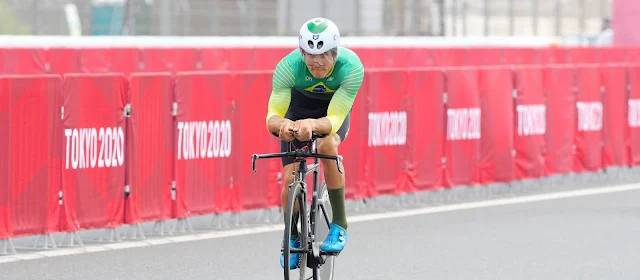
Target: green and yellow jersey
{"type": "Point", "coordinates": [340, 86]}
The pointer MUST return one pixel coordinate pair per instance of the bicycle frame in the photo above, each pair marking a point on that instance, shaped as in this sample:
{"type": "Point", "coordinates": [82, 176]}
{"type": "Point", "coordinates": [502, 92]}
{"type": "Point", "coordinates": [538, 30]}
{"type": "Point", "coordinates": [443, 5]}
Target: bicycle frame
{"type": "Point", "coordinates": [301, 154]}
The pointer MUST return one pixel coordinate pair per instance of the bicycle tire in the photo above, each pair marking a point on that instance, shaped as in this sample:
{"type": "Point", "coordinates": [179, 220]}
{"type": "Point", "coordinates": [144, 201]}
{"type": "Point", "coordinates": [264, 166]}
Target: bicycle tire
{"type": "Point", "coordinates": [320, 230]}
{"type": "Point", "coordinates": [295, 194]}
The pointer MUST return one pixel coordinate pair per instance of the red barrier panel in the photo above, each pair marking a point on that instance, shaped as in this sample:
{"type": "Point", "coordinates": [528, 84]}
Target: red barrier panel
{"type": "Point", "coordinates": [29, 154]}
{"type": "Point", "coordinates": [633, 115]}
{"type": "Point", "coordinates": [614, 129]}
{"type": "Point", "coordinates": [560, 130]}
{"type": "Point", "coordinates": [204, 148]}
{"type": "Point", "coordinates": [531, 123]}
{"type": "Point", "coordinates": [149, 148]}
{"type": "Point", "coordinates": [425, 128]}
{"type": "Point", "coordinates": [496, 144]}
{"type": "Point", "coordinates": [387, 123]}
{"type": "Point", "coordinates": [249, 100]}
{"type": "Point", "coordinates": [354, 147]}
{"type": "Point", "coordinates": [588, 140]}
{"type": "Point", "coordinates": [462, 148]}
{"type": "Point", "coordinates": [93, 176]}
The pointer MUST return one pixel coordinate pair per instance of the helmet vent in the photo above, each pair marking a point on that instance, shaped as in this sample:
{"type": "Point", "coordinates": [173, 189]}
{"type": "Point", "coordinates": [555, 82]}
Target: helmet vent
{"type": "Point", "coordinates": [318, 46]}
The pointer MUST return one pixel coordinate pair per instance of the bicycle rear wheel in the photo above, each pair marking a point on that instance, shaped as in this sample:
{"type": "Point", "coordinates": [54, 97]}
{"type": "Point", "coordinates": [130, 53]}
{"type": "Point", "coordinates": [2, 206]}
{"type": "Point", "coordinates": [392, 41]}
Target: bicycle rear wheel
{"type": "Point", "coordinates": [323, 217]}
{"type": "Point", "coordinates": [295, 194]}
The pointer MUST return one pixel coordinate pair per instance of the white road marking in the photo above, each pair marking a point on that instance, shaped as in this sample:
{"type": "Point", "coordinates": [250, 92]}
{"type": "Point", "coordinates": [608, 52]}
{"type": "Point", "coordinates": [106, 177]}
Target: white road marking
{"type": "Point", "coordinates": [353, 219]}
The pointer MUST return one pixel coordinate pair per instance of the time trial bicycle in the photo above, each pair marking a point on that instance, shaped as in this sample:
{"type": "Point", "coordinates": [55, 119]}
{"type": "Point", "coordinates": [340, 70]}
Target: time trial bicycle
{"type": "Point", "coordinates": [312, 233]}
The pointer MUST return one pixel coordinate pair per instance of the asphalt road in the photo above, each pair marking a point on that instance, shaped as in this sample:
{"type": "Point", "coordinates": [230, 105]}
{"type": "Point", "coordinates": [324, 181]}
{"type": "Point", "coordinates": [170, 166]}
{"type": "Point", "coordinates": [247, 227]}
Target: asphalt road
{"type": "Point", "coordinates": [590, 237]}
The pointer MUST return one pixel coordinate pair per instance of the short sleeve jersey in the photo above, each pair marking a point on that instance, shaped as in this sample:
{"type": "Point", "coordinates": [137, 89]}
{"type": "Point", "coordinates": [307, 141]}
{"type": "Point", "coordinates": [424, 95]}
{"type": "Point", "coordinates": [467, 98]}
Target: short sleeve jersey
{"type": "Point", "coordinates": [340, 85]}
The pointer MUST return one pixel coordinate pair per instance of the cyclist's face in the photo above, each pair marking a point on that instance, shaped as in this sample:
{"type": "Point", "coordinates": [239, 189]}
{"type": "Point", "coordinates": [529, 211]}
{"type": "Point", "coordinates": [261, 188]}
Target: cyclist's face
{"type": "Point", "coordinates": [319, 64]}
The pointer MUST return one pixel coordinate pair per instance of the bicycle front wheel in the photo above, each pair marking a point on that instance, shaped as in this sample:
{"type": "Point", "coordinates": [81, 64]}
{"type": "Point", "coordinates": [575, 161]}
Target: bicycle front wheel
{"type": "Point", "coordinates": [323, 217]}
{"type": "Point", "coordinates": [295, 195]}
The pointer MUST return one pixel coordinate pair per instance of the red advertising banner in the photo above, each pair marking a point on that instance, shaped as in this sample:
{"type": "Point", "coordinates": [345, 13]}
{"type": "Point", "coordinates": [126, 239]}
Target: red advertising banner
{"type": "Point", "coordinates": [496, 144]}
{"type": "Point", "coordinates": [93, 151]}
{"type": "Point", "coordinates": [521, 56]}
{"type": "Point", "coordinates": [614, 123]}
{"type": "Point", "coordinates": [560, 129]}
{"type": "Point", "coordinates": [107, 60]}
{"type": "Point", "coordinates": [633, 115]}
{"type": "Point", "coordinates": [387, 130]}
{"type": "Point", "coordinates": [262, 188]}
{"type": "Point", "coordinates": [149, 148]}
{"type": "Point", "coordinates": [170, 59]}
{"type": "Point", "coordinates": [29, 149]}
{"type": "Point", "coordinates": [589, 112]}
{"type": "Point", "coordinates": [204, 150]}
{"type": "Point", "coordinates": [531, 122]}
{"type": "Point", "coordinates": [62, 60]}
{"type": "Point", "coordinates": [23, 61]}
{"type": "Point", "coordinates": [425, 128]}
{"type": "Point", "coordinates": [484, 56]}
{"type": "Point", "coordinates": [462, 148]}
{"type": "Point", "coordinates": [215, 59]}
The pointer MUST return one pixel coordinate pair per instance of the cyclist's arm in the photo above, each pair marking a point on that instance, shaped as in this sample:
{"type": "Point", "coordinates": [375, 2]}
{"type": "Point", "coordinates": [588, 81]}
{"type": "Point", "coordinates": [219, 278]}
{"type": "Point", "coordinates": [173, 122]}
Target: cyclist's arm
{"type": "Point", "coordinates": [282, 82]}
{"type": "Point", "coordinates": [341, 103]}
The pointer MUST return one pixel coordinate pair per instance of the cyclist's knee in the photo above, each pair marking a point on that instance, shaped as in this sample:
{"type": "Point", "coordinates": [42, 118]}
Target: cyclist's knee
{"type": "Point", "coordinates": [329, 145]}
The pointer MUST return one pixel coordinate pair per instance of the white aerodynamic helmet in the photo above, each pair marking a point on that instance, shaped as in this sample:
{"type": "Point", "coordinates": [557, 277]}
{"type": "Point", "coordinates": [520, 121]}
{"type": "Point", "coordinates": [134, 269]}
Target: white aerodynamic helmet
{"type": "Point", "coordinates": [319, 35]}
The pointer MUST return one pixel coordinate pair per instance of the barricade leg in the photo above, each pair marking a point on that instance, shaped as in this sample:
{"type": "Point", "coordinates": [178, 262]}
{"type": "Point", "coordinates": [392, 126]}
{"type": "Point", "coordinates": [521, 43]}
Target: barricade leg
{"type": "Point", "coordinates": [135, 230]}
{"type": "Point", "coordinates": [112, 234]}
{"type": "Point", "coordinates": [159, 227]}
{"type": "Point", "coordinates": [7, 245]}
{"type": "Point", "coordinates": [43, 242]}
{"type": "Point", "coordinates": [74, 237]}
{"type": "Point", "coordinates": [183, 224]}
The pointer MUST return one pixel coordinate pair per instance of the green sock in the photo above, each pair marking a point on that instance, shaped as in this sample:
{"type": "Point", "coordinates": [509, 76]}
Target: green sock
{"type": "Point", "coordinates": [336, 197]}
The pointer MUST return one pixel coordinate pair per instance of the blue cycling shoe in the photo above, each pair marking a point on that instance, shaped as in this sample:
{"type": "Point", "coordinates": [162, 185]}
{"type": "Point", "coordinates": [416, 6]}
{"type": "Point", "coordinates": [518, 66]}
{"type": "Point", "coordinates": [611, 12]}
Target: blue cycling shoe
{"type": "Point", "coordinates": [294, 259]}
{"type": "Point", "coordinates": [336, 239]}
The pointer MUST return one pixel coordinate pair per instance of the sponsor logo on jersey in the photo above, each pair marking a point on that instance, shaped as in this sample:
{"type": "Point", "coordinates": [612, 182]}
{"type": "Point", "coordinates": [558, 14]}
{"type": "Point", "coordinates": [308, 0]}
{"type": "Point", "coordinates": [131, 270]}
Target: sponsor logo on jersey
{"type": "Point", "coordinates": [307, 78]}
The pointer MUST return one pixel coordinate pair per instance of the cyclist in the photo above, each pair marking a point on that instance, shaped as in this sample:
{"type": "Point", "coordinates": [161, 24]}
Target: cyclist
{"type": "Point", "coordinates": [314, 88]}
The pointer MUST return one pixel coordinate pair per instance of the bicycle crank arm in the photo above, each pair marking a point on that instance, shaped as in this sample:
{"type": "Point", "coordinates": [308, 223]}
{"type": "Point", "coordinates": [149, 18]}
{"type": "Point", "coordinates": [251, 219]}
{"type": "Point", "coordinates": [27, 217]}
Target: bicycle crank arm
{"type": "Point", "coordinates": [323, 253]}
{"type": "Point", "coordinates": [296, 250]}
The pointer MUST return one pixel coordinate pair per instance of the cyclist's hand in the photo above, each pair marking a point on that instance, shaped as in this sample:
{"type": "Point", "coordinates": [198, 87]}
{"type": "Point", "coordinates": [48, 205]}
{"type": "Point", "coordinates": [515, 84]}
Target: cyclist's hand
{"type": "Point", "coordinates": [286, 130]}
{"type": "Point", "coordinates": [303, 129]}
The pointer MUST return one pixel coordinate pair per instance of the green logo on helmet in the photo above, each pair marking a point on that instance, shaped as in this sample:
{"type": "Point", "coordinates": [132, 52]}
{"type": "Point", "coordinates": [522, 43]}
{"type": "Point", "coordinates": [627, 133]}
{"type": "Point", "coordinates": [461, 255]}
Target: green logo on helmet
{"type": "Point", "coordinates": [317, 26]}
